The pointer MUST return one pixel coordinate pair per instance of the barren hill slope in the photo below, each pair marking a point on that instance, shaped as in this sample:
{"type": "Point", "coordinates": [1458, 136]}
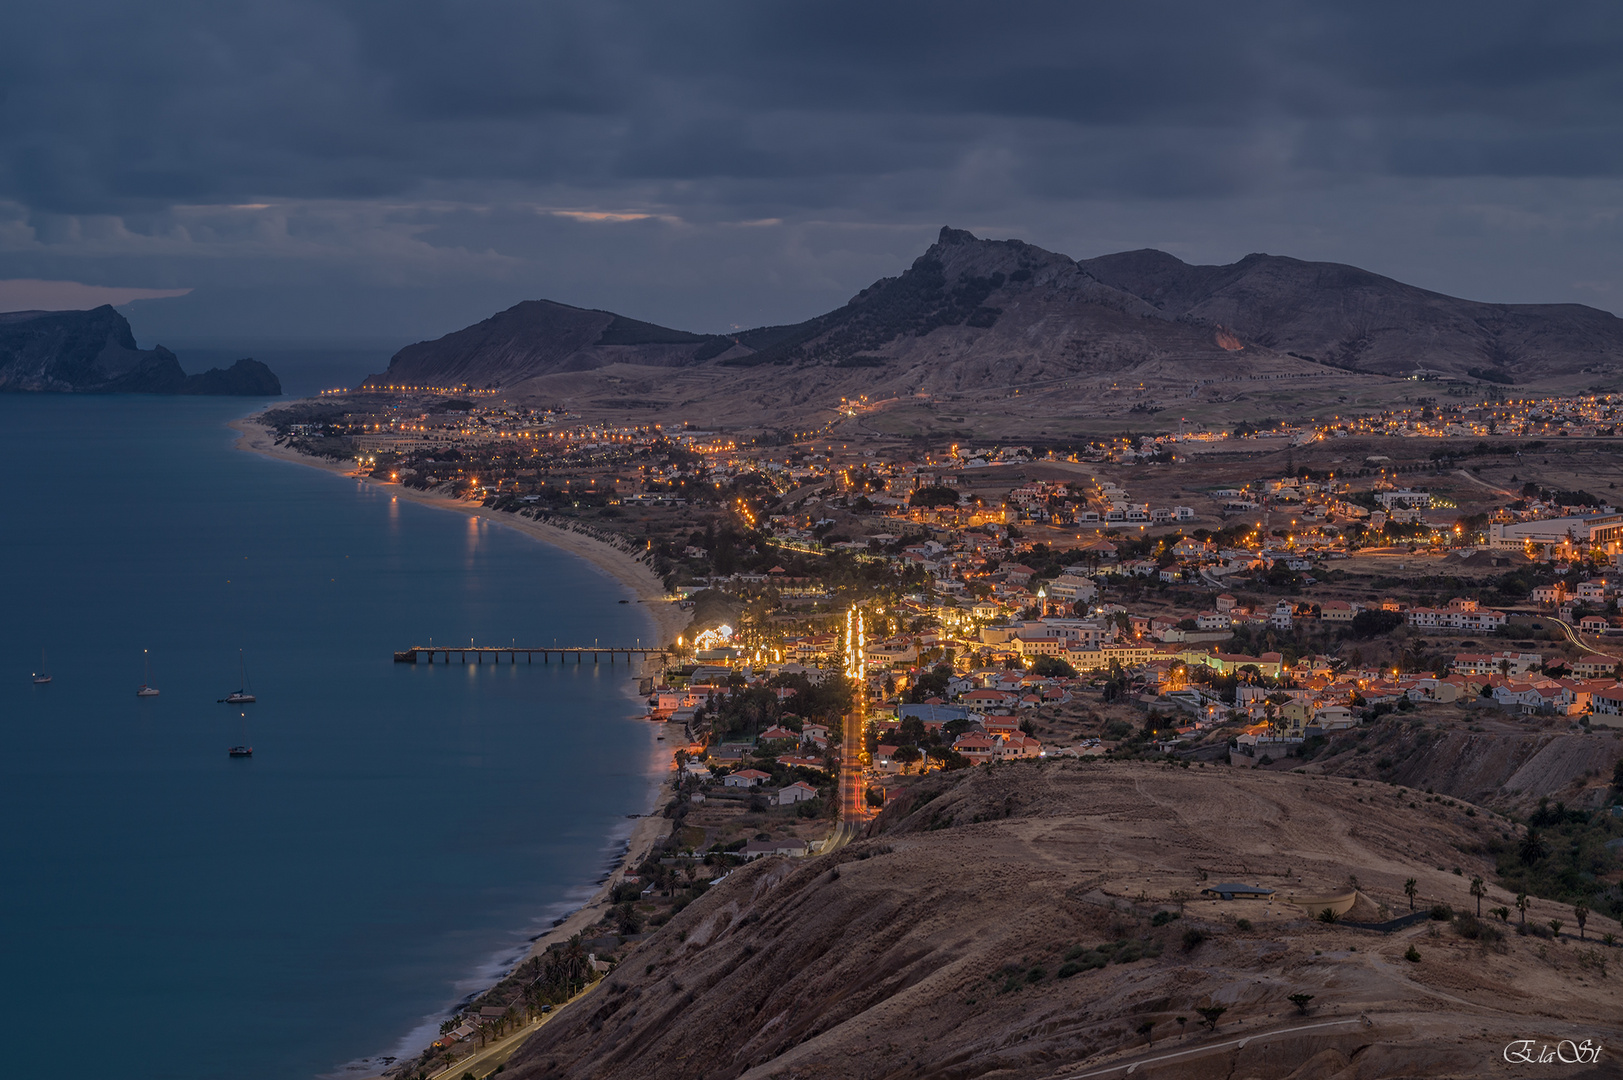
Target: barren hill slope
{"type": "Point", "coordinates": [1349, 316]}
{"type": "Point", "coordinates": [935, 946]}
{"type": "Point", "coordinates": [535, 338]}
{"type": "Point", "coordinates": [1505, 770]}
{"type": "Point", "coordinates": [977, 319]}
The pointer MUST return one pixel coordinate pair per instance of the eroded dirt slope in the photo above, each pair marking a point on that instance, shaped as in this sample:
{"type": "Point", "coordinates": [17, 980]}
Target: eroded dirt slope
{"type": "Point", "coordinates": [1504, 770]}
{"type": "Point", "coordinates": [934, 946]}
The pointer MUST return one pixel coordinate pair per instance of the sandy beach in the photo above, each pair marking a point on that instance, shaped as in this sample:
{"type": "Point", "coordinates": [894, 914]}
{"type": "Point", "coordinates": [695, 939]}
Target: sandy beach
{"type": "Point", "coordinates": [668, 619]}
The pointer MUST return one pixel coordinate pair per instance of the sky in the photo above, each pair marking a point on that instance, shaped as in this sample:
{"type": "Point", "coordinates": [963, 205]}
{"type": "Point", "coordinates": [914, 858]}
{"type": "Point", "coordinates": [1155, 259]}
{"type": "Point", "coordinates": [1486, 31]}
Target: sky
{"type": "Point", "coordinates": [392, 170]}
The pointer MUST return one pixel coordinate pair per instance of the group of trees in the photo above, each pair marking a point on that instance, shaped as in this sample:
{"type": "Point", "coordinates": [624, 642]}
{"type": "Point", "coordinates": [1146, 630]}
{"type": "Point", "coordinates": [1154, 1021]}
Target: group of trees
{"type": "Point", "coordinates": [1563, 856]}
{"type": "Point", "coordinates": [915, 742]}
{"type": "Point", "coordinates": [749, 710]}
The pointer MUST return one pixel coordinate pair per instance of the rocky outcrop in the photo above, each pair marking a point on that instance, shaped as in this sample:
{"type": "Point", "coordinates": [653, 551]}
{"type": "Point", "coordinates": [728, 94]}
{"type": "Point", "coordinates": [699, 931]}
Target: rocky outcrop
{"type": "Point", "coordinates": [94, 352]}
{"type": "Point", "coordinates": [245, 378]}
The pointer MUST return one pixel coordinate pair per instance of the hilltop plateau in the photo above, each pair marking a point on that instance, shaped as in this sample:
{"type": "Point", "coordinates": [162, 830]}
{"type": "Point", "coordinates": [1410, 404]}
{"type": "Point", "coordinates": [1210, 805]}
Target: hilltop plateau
{"type": "Point", "coordinates": [1045, 920]}
{"type": "Point", "coordinates": [1030, 336]}
{"type": "Point", "coordinates": [94, 352]}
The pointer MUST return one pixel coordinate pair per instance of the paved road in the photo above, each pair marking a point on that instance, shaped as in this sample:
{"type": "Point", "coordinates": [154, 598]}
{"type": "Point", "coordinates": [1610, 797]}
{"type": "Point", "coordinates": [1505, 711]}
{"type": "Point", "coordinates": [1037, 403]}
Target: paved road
{"type": "Point", "coordinates": [1572, 636]}
{"type": "Point", "coordinates": [853, 809]}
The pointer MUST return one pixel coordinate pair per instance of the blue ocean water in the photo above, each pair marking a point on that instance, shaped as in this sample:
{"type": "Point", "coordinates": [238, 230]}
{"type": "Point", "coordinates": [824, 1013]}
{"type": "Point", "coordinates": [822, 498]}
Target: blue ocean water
{"type": "Point", "coordinates": [399, 832]}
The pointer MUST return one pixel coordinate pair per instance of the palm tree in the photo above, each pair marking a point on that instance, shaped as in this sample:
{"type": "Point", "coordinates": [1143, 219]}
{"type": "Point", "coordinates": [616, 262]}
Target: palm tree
{"type": "Point", "coordinates": [1580, 911]}
{"type": "Point", "coordinates": [1411, 887]}
{"type": "Point", "coordinates": [1522, 905]}
{"type": "Point", "coordinates": [1478, 889]}
{"type": "Point", "coordinates": [575, 964]}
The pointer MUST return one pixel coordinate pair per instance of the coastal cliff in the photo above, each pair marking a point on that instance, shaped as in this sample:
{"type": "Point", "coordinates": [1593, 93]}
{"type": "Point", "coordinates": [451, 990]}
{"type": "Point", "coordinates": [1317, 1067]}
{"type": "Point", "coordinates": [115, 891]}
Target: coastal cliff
{"type": "Point", "coordinates": [94, 352]}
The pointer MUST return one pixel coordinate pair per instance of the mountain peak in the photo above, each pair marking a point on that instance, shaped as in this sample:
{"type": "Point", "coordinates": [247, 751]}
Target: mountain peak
{"type": "Point", "coordinates": [976, 315]}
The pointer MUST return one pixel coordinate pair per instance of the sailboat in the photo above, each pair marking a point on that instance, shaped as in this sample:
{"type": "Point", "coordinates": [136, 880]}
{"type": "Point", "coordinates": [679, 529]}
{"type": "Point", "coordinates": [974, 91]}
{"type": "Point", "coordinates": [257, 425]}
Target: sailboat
{"type": "Point", "coordinates": [146, 689]}
{"type": "Point", "coordinates": [242, 749]}
{"type": "Point", "coordinates": [240, 696]}
{"type": "Point", "coordinates": [40, 678]}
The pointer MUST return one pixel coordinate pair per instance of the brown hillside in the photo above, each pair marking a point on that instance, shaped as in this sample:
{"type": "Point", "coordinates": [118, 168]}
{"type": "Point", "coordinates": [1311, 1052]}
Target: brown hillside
{"type": "Point", "coordinates": [537, 337]}
{"type": "Point", "coordinates": [1350, 316]}
{"type": "Point", "coordinates": [1506, 770]}
{"type": "Point", "coordinates": [975, 320]}
{"type": "Point", "coordinates": [933, 947]}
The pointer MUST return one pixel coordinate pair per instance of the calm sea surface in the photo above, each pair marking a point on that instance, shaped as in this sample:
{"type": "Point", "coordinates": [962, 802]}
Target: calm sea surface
{"type": "Point", "coordinates": [399, 832]}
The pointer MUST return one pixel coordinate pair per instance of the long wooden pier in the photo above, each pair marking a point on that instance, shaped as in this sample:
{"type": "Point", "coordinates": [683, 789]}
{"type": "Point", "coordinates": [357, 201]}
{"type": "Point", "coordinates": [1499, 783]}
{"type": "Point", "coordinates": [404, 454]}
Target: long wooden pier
{"type": "Point", "coordinates": [418, 653]}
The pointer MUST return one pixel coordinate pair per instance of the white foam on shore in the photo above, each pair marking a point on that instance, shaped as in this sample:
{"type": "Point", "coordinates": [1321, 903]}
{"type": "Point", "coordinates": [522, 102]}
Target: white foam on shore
{"type": "Point", "coordinates": [494, 968]}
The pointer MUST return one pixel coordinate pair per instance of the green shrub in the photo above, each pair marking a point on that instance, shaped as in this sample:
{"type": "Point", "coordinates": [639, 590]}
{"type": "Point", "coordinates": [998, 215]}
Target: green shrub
{"type": "Point", "coordinates": [1413, 955]}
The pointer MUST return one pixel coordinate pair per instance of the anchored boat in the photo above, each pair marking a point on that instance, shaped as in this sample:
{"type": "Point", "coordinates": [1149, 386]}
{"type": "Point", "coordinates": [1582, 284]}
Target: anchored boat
{"type": "Point", "coordinates": [240, 696]}
{"type": "Point", "coordinates": [146, 689]}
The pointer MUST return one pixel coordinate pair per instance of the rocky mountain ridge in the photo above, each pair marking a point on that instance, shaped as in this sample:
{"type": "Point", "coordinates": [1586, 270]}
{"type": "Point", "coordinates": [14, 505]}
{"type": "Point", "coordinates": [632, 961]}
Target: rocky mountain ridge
{"type": "Point", "coordinates": [94, 352]}
{"type": "Point", "coordinates": [974, 316]}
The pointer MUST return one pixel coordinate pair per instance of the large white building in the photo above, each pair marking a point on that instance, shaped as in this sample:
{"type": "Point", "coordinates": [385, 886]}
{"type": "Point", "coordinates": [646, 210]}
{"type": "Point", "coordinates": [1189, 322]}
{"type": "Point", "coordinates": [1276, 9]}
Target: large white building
{"type": "Point", "coordinates": [1403, 498]}
{"type": "Point", "coordinates": [1460, 614]}
{"type": "Point", "coordinates": [1605, 530]}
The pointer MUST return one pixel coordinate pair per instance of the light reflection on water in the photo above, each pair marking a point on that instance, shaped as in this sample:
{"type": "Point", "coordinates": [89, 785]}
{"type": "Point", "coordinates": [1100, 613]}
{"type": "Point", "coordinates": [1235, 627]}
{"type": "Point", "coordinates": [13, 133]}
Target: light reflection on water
{"type": "Point", "coordinates": [399, 829]}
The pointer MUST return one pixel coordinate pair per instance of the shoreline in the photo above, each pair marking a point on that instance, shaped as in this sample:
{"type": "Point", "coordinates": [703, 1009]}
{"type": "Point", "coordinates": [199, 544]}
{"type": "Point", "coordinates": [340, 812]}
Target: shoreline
{"type": "Point", "coordinates": [668, 620]}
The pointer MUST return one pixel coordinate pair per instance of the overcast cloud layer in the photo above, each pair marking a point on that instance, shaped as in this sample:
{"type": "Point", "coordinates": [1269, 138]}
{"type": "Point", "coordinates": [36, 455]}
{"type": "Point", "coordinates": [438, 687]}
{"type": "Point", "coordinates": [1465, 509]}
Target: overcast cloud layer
{"type": "Point", "coordinates": [398, 169]}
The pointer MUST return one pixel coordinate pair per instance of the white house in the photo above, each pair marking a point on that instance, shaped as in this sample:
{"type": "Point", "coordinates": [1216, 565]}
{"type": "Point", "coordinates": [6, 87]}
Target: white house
{"type": "Point", "coordinates": [744, 778]}
{"type": "Point", "coordinates": [755, 849]}
{"type": "Point", "coordinates": [797, 792]}
{"type": "Point", "coordinates": [1333, 717]}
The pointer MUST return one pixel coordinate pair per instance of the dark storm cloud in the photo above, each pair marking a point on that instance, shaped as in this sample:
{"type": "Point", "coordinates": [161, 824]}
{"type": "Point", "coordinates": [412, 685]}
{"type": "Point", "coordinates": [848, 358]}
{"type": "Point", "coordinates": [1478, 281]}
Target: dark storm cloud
{"type": "Point", "coordinates": [112, 105]}
{"type": "Point", "coordinates": [405, 141]}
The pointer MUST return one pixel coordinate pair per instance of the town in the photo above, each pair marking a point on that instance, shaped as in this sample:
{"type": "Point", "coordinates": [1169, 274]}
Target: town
{"type": "Point", "coordinates": [1446, 558]}
{"type": "Point", "coordinates": [863, 613]}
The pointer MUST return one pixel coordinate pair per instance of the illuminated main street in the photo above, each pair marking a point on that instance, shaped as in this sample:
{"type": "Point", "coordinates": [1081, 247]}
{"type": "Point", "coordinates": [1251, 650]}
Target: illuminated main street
{"type": "Point", "coordinates": [853, 749]}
